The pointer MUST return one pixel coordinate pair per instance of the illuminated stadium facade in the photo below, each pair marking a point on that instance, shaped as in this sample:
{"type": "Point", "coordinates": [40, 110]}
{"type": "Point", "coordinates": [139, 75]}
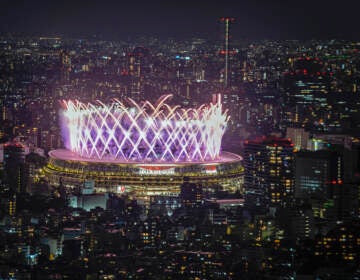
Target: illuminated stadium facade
{"type": "Point", "coordinates": [143, 149]}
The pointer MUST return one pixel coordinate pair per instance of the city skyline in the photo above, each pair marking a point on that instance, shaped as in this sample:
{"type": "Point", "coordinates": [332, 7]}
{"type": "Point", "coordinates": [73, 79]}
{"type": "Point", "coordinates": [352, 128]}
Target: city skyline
{"type": "Point", "coordinates": [246, 167]}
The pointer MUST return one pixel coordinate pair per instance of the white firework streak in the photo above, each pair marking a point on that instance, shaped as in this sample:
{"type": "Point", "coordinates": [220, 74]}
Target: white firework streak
{"type": "Point", "coordinates": [144, 132]}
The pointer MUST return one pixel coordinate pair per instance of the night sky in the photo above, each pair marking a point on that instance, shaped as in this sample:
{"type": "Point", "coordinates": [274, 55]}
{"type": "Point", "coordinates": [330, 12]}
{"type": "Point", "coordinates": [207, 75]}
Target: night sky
{"type": "Point", "coordinates": [117, 19]}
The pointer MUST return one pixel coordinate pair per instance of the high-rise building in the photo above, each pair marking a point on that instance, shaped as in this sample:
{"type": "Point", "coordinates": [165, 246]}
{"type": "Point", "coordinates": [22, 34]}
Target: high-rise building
{"type": "Point", "coordinates": [65, 62]}
{"type": "Point", "coordinates": [269, 176]}
{"type": "Point", "coordinates": [305, 89]}
{"type": "Point", "coordinates": [297, 221]}
{"type": "Point", "coordinates": [340, 243]}
{"type": "Point", "coordinates": [191, 194]}
{"type": "Point", "coordinates": [8, 203]}
{"type": "Point", "coordinates": [14, 167]}
{"type": "Point", "coordinates": [1, 160]}
{"type": "Point", "coordinates": [138, 65]}
{"type": "Point", "coordinates": [299, 137]}
{"type": "Point", "coordinates": [33, 162]}
{"type": "Point", "coordinates": [315, 170]}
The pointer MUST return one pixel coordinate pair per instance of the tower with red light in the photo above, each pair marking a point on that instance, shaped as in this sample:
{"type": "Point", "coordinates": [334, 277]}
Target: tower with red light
{"type": "Point", "coordinates": [227, 21]}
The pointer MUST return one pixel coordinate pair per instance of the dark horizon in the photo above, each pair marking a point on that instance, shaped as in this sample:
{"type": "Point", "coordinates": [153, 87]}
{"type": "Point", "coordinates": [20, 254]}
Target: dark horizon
{"type": "Point", "coordinates": [255, 20]}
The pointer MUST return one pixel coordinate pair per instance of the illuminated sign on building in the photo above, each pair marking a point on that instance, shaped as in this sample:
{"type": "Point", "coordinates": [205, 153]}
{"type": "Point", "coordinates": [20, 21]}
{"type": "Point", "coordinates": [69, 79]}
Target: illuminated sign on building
{"type": "Point", "coordinates": [210, 169]}
{"type": "Point", "coordinates": [156, 170]}
{"type": "Point", "coordinates": [120, 189]}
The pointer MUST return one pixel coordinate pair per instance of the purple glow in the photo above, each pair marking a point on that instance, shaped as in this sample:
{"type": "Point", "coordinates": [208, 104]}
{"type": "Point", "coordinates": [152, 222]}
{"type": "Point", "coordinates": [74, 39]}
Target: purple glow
{"type": "Point", "coordinates": [144, 132]}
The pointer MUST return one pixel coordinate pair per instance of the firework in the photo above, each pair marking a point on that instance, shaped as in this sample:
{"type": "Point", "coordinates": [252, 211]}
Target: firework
{"type": "Point", "coordinates": [144, 132]}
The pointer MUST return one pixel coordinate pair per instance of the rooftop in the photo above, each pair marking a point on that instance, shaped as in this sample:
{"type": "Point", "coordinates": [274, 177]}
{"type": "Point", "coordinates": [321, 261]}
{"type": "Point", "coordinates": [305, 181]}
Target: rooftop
{"type": "Point", "coordinates": [63, 154]}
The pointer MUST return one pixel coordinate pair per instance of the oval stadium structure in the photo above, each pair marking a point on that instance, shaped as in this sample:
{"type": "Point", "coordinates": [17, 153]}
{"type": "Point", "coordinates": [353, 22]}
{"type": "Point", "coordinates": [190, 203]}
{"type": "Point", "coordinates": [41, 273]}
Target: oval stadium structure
{"type": "Point", "coordinates": [143, 149]}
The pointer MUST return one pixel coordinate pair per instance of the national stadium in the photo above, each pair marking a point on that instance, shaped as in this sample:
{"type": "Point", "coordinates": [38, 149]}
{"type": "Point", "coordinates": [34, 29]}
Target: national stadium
{"type": "Point", "coordinates": [143, 149]}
